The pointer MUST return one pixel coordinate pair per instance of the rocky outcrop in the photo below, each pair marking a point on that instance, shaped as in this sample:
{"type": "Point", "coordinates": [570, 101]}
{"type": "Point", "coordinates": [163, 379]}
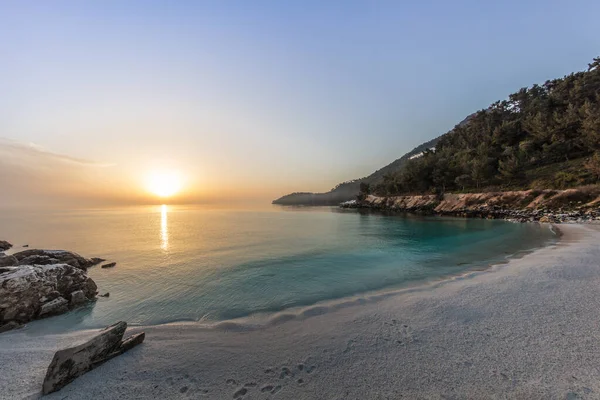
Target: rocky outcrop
{"type": "Point", "coordinates": [45, 257]}
{"type": "Point", "coordinates": [70, 363]}
{"type": "Point", "coordinates": [4, 245]}
{"type": "Point", "coordinates": [554, 206]}
{"type": "Point", "coordinates": [28, 292]}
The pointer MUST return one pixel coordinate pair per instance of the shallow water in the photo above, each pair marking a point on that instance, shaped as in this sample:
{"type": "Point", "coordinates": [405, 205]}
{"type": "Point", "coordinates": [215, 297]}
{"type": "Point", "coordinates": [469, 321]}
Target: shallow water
{"type": "Point", "coordinates": [195, 263]}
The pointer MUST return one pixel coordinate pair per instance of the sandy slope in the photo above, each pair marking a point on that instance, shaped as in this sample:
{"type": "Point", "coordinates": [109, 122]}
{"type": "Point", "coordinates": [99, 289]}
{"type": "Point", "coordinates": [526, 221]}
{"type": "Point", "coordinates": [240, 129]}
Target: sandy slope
{"type": "Point", "coordinates": [528, 329]}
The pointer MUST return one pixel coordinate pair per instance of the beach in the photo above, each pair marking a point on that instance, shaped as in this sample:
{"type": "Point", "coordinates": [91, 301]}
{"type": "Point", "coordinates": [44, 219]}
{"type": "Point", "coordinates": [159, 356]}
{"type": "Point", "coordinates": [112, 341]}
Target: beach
{"type": "Point", "coordinates": [525, 329]}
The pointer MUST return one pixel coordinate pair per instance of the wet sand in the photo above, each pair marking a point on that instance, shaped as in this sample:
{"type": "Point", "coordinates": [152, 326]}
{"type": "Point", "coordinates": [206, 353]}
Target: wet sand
{"type": "Point", "coordinates": [527, 329]}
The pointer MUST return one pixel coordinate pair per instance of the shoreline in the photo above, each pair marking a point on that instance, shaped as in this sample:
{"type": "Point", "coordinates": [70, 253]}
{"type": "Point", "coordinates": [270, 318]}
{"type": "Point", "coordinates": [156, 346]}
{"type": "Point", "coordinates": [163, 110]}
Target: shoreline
{"type": "Point", "coordinates": [579, 205]}
{"type": "Point", "coordinates": [500, 333]}
{"type": "Point", "coordinates": [264, 320]}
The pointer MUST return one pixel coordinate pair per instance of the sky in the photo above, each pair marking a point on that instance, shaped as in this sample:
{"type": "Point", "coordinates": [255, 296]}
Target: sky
{"type": "Point", "coordinates": [251, 100]}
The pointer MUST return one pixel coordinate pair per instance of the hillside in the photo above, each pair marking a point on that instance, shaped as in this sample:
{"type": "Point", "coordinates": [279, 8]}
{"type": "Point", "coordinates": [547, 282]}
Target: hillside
{"type": "Point", "coordinates": [542, 137]}
{"type": "Point", "coordinates": [349, 190]}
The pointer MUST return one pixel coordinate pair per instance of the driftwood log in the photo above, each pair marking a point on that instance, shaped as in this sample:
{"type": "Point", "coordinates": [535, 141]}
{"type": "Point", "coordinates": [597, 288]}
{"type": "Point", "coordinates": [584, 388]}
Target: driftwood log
{"type": "Point", "coordinates": [70, 363]}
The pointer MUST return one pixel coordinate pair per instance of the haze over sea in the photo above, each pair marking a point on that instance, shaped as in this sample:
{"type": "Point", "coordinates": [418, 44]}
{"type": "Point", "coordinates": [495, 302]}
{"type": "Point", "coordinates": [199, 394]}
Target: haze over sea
{"type": "Point", "coordinates": [177, 263]}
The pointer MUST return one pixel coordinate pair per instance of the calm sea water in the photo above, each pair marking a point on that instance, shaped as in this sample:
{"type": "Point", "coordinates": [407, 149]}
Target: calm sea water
{"type": "Point", "coordinates": [194, 263]}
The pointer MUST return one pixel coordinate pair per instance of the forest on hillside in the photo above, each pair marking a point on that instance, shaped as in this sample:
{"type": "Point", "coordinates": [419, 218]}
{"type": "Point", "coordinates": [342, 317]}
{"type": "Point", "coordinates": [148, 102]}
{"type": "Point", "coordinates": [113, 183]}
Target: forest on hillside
{"type": "Point", "coordinates": [542, 137]}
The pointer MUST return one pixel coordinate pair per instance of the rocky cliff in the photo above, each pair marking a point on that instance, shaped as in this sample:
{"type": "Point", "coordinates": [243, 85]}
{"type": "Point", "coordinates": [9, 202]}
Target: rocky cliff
{"type": "Point", "coordinates": [580, 204]}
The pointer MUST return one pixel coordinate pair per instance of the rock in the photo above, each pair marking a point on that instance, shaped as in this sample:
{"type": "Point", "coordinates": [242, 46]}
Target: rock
{"type": "Point", "coordinates": [105, 294]}
{"type": "Point", "coordinates": [109, 265]}
{"type": "Point", "coordinates": [53, 307]}
{"type": "Point", "coordinates": [78, 297]}
{"type": "Point", "coordinates": [8, 261]}
{"type": "Point", "coordinates": [10, 326]}
{"type": "Point", "coordinates": [31, 291]}
{"type": "Point", "coordinates": [37, 259]}
{"type": "Point", "coordinates": [4, 245]}
{"type": "Point", "coordinates": [91, 287]}
{"type": "Point", "coordinates": [56, 257]}
{"type": "Point", "coordinates": [545, 219]}
{"type": "Point", "coordinates": [97, 260]}
{"type": "Point", "coordinates": [25, 245]}
{"type": "Point", "coordinates": [73, 362]}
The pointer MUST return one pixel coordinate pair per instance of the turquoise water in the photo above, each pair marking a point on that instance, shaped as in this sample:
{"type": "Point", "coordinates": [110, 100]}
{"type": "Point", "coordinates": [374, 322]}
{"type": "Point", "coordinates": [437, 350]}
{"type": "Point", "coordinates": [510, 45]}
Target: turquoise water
{"type": "Point", "coordinates": [195, 263]}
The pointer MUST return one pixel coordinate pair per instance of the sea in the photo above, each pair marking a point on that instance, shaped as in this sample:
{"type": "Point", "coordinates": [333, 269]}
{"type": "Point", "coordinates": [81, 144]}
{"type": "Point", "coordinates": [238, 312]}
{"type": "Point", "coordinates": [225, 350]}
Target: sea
{"type": "Point", "coordinates": [211, 264]}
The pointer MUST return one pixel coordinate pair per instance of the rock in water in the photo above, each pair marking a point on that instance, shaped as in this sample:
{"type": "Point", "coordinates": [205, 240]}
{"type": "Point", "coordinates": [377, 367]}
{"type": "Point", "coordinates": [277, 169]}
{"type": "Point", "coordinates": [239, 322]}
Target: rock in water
{"type": "Point", "coordinates": [70, 363]}
{"type": "Point", "coordinates": [97, 260]}
{"type": "Point", "coordinates": [4, 245]}
{"type": "Point", "coordinates": [109, 265]}
{"type": "Point", "coordinates": [28, 257]}
{"type": "Point", "coordinates": [11, 325]}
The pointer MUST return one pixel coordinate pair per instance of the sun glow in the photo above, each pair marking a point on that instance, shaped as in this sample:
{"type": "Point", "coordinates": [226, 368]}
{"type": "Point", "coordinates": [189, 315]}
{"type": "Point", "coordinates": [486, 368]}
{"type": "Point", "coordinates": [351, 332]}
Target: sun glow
{"type": "Point", "coordinates": [164, 184]}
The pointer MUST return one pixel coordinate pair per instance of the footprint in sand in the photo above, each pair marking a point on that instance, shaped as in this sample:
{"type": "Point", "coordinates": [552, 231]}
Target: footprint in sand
{"type": "Point", "coordinates": [271, 389]}
{"type": "Point", "coordinates": [404, 335]}
{"type": "Point", "coordinates": [187, 385]}
{"type": "Point", "coordinates": [266, 388]}
{"type": "Point", "coordinates": [240, 392]}
{"type": "Point", "coordinates": [349, 346]}
{"type": "Point", "coordinates": [285, 372]}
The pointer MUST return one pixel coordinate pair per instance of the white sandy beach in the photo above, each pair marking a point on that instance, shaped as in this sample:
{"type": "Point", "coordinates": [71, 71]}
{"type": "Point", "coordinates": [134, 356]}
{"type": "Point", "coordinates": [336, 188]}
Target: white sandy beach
{"type": "Point", "coordinates": [528, 329]}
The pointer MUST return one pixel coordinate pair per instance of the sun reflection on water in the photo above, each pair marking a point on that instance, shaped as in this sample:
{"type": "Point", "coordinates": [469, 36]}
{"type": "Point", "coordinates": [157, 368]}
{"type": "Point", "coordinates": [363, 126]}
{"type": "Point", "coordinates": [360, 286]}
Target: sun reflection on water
{"type": "Point", "coordinates": [164, 228]}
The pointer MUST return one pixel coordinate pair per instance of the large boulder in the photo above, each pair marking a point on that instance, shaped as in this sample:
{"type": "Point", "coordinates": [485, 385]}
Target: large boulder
{"type": "Point", "coordinates": [70, 363]}
{"type": "Point", "coordinates": [28, 292]}
{"type": "Point", "coordinates": [44, 257]}
{"type": "Point", "coordinates": [4, 245]}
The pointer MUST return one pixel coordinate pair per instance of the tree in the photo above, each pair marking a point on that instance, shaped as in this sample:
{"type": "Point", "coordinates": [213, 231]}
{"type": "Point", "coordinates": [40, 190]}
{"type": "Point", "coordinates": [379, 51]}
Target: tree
{"type": "Point", "coordinates": [594, 65]}
{"type": "Point", "coordinates": [593, 165]}
{"type": "Point", "coordinates": [591, 124]}
{"type": "Point", "coordinates": [512, 140]}
{"type": "Point", "coordinates": [511, 169]}
{"type": "Point", "coordinates": [463, 180]}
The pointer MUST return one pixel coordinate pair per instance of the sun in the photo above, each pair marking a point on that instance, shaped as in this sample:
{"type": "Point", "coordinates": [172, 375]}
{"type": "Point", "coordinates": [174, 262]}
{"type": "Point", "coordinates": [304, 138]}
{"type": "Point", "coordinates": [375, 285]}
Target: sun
{"type": "Point", "coordinates": [164, 183]}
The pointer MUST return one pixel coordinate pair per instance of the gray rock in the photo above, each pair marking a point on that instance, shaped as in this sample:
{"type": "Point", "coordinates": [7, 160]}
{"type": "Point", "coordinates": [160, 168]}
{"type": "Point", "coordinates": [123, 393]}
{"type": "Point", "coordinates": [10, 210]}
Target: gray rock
{"type": "Point", "coordinates": [78, 297]}
{"type": "Point", "coordinates": [37, 259]}
{"type": "Point", "coordinates": [97, 260]}
{"type": "Point", "coordinates": [25, 289]}
{"type": "Point", "coordinates": [4, 245]}
{"type": "Point", "coordinates": [73, 362]}
{"type": "Point", "coordinates": [109, 265]}
{"type": "Point", "coordinates": [9, 326]}
{"type": "Point", "coordinates": [61, 257]}
{"type": "Point", "coordinates": [8, 261]}
{"type": "Point", "coordinates": [53, 307]}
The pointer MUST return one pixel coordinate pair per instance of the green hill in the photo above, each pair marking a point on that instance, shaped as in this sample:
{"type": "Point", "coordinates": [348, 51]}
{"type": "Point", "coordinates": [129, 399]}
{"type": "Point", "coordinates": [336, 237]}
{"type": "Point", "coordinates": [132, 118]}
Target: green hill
{"type": "Point", "coordinates": [543, 137]}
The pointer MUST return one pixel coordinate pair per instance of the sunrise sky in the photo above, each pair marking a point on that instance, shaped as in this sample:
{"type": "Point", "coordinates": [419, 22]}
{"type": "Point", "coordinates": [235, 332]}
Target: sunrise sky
{"type": "Point", "coordinates": [250, 100]}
